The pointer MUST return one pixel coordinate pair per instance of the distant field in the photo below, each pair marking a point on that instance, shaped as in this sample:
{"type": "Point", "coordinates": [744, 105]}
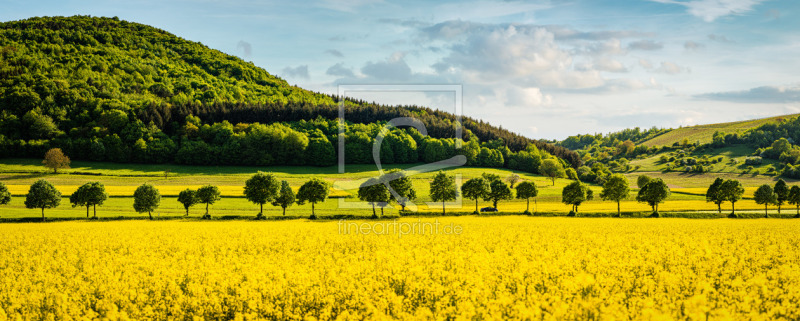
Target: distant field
{"type": "Point", "coordinates": [18, 174]}
{"type": "Point", "coordinates": [704, 133]}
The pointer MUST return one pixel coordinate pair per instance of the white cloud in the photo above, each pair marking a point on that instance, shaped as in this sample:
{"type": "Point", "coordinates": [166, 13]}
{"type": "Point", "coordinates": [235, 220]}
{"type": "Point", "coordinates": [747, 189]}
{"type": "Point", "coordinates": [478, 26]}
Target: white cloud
{"type": "Point", "coordinates": [763, 94]}
{"type": "Point", "coordinates": [710, 10]}
{"type": "Point", "coordinates": [610, 65]}
{"type": "Point", "coordinates": [394, 68]}
{"type": "Point", "coordinates": [339, 70]}
{"type": "Point", "coordinates": [335, 53]}
{"type": "Point", "coordinates": [693, 46]}
{"type": "Point", "coordinates": [296, 72]}
{"type": "Point", "coordinates": [671, 68]}
{"type": "Point", "coordinates": [523, 97]}
{"type": "Point", "coordinates": [645, 45]}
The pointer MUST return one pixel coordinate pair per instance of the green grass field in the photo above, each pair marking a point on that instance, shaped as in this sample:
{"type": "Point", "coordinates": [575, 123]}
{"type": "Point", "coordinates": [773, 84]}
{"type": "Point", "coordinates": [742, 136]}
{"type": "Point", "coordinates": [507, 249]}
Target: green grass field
{"type": "Point", "coordinates": [704, 133]}
{"type": "Point", "coordinates": [122, 179]}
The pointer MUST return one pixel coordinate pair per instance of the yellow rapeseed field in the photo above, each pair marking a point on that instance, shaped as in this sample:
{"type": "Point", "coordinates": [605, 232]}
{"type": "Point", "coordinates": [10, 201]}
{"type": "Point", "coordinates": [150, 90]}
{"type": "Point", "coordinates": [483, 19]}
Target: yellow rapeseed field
{"type": "Point", "coordinates": [466, 268]}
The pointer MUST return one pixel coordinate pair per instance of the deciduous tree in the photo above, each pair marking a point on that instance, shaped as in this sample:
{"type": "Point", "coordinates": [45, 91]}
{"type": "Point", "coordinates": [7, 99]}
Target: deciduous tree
{"type": "Point", "coordinates": [285, 197]}
{"type": "Point", "coordinates": [55, 159]}
{"type": "Point", "coordinates": [552, 168]}
{"type": "Point", "coordinates": [653, 193]}
{"type": "Point", "coordinates": [475, 189]}
{"type": "Point", "coordinates": [208, 194]}
{"type": "Point", "coordinates": [42, 195]}
{"type": "Point", "coordinates": [443, 189]}
{"type": "Point", "coordinates": [615, 189]}
{"type": "Point", "coordinates": [260, 189]}
{"type": "Point", "coordinates": [765, 195]}
{"type": "Point", "coordinates": [374, 192]}
{"type": "Point", "coordinates": [526, 190]}
{"type": "Point", "coordinates": [714, 194]}
{"type": "Point", "coordinates": [89, 195]}
{"type": "Point", "coordinates": [146, 198]}
{"type": "Point", "coordinates": [731, 191]}
{"type": "Point", "coordinates": [188, 198]}
{"type": "Point", "coordinates": [575, 194]}
{"type": "Point", "coordinates": [314, 191]}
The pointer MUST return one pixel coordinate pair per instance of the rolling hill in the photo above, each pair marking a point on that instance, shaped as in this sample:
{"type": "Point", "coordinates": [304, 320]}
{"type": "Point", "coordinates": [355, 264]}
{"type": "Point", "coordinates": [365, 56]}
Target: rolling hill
{"type": "Point", "coordinates": [703, 133]}
{"type": "Point", "coordinates": [104, 89]}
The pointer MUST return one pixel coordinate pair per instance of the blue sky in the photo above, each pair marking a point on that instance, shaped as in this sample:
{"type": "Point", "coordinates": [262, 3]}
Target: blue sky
{"type": "Point", "coordinates": [545, 69]}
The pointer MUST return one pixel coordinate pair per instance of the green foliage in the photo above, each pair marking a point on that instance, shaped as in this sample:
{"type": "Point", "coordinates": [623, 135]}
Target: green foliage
{"type": "Point", "coordinates": [715, 194]}
{"type": "Point", "coordinates": [642, 180]}
{"type": "Point", "coordinates": [314, 191]}
{"type": "Point", "coordinates": [575, 194]}
{"type": "Point", "coordinates": [475, 189]}
{"type": "Point", "coordinates": [208, 194]}
{"type": "Point", "coordinates": [146, 198]}
{"type": "Point", "coordinates": [260, 189]}
{"type": "Point", "coordinates": [781, 193]}
{"type": "Point", "coordinates": [402, 186]}
{"type": "Point", "coordinates": [766, 196]}
{"type": "Point", "coordinates": [5, 196]}
{"type": "Point", "coordinates": [443, 188]}
{"type": "Point", "coordinates": [794, 197]}
{"type": "Point", "coordinates": [653, 193]}
{"type": "Point", "coordinates": [615, 189]}
{"type": "Point", "coordinates": [526, 190]}
{"type": "Point", "coordinates": [498, 190]}
{"type": "Point", "coordinates": [285, 197]}
{"type": "Point", "coordinates": [89, 195]}
{"type": "Point", "coordinates": [552, 168]}
{"type": "Point", "coordinates": [375, 192]}
{"type": "Point", "coordinates": [42, 195]}
{"type": "Point", "coordinates": [188, 198]}
{"type": "Point", "coordinates": [731, 190]}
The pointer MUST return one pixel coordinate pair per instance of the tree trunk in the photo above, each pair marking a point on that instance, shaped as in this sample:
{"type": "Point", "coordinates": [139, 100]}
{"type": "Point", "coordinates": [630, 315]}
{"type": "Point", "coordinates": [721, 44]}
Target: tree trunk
{"type": "Point", "coordinates": [94, 209]}
{"type": "Point", "coordinates": [765, 211]}
{"type": "Point", "coordinates": [206, 209]}
{"type": "Point", "coordinates": [261, 210]}
{"type": "Point", "coordinates": [535, 206]}
{"type": "Point", "coordinates": [733, 207]}
{"type": "Point", "coordinates": [494, 204]}
{"type": "Point", "coordinates": [442, 207]}
{"type": "Point", "coordinates": [381, 211]}
{"type": "Point", "coordinates": [719, 208]}
{"type": "Point", "coordinates": [284, 210]}
{"type": "Point", "coordinates": [779, 208]}
{"type": "Point", "coordinates": [373, 210]}
{"type": "Point", "coordinates": [618, 211]}
{"type": "Point", "coordinates": [42, 214]}
{"type": "Point", "coordinates": [476, 205]}
{"type": "Point", "coordinates": [187, 211]}
{"type": "Point", "coordinates": [312, 208]}
{"type": "Point", "coordinates": [554, 180]}
{"type": "Point", "coordinates": [87, 211]}
{"type": "Point", "coordinates": [150, 214]}
{"type": "Point", "coordinates": [528, 205]}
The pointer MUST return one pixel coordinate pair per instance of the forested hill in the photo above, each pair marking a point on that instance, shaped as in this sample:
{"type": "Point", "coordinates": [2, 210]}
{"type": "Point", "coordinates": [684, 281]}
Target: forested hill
{"type": "Point", "coordinates": [106, 89]}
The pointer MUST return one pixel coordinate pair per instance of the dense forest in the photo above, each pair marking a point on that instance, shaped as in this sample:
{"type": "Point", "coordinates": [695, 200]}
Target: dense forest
{"type": "Point", "coordinates": [110, 90]}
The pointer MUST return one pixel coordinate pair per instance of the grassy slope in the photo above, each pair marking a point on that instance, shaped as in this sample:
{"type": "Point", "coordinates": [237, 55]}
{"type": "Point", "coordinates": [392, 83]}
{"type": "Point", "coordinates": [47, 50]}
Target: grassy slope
{"type": "Point", "coordinates": [704, 133]}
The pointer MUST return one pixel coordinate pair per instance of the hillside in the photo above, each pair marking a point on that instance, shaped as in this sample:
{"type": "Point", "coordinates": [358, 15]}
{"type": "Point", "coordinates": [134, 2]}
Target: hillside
{"type": "Point", "coordinates": [755, 151]}
{"type": "Point", "coordinates": [109, 90]}
{"type": "Point", "coordinates": [703, 134]}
